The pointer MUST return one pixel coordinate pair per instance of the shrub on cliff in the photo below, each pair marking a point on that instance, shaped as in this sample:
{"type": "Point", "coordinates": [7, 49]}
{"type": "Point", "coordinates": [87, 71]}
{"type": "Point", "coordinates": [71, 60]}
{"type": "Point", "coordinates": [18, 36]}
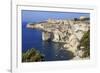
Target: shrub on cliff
{"type": "Point", "coordinates": [32, 55]}
{"type": "Point", "coordinates": [85, 42]}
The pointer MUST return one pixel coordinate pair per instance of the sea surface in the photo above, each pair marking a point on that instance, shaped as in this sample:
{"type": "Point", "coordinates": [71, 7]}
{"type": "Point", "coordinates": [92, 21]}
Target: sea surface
{"type": "Point", "coordinates": [32, 38]}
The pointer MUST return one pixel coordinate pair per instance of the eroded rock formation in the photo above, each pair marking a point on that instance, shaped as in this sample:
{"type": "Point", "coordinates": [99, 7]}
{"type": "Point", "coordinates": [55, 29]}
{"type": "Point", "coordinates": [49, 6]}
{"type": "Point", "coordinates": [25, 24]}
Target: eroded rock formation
{"type": "Point", "coordinates": [68, 31]}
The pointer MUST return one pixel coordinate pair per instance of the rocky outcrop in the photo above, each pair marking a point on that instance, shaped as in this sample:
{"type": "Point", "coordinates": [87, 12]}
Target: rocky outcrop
{"type": "Point", "coordinates": [68, 31]}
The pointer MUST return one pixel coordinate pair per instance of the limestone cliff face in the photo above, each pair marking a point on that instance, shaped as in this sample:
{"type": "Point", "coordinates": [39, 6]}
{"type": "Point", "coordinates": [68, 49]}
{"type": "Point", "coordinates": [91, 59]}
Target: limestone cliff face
{"type": "Point", "coordinates": [67, 31]}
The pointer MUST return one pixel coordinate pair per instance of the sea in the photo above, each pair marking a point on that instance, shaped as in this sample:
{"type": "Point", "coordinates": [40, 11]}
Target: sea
{"type": "Point", "coordinates": [32, 38]}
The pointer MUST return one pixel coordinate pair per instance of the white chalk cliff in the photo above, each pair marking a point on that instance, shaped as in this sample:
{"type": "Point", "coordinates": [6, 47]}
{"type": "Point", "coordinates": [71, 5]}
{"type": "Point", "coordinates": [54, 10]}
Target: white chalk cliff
{"type": "Point", "coordinates": [68, 31]}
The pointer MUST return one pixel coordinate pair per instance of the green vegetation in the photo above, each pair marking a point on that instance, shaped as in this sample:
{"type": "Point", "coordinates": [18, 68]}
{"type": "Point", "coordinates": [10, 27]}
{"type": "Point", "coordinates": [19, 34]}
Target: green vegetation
{"type": "Point", "coordinates": [32, 55]}
{"type": "Point", "coordinates": [85, 42]}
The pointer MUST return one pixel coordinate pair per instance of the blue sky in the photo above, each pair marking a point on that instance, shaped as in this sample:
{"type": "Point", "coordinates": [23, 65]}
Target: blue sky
{"type": "Point", "coordinates": [38, 16]}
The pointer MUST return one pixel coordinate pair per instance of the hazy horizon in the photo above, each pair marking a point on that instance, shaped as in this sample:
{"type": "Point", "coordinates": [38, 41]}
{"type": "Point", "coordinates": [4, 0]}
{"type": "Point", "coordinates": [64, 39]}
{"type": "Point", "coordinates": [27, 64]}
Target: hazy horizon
{"type": "Point", "coordinates": [38, 16]}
